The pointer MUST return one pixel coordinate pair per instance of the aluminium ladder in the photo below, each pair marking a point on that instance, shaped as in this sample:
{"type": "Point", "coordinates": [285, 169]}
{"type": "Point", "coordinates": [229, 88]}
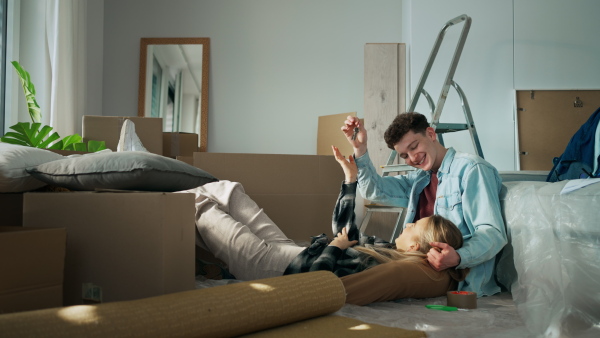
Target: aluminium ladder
{"type": "Point", "coordinates": [436, 112]}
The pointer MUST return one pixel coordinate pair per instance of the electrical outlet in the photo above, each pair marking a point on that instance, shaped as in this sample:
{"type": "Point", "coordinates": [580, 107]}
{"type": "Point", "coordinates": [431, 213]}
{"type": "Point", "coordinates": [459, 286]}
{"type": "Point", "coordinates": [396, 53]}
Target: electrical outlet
{"type": "Point", "coordinates": [91, 294]}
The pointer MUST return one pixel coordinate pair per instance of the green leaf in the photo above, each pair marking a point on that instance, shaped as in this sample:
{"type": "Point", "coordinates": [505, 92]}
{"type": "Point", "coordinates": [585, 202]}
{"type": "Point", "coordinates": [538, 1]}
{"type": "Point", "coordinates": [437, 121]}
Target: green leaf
{"type": "Point", "coordinates": [58, 145]}
{"type": "Point", "coordinates": [71, 139]}
{"type": "Point", "coordinates": [7, 139]}
{"type": "Point", "coordinates": [45, 144]}
{"type": "Point", "coordinates": [29, 90]}
{"type": "Point", "coordinates": [94, 146]}
{"type": "Point", "coordinates": [80, 146]}
{"type": "Point", "coordinates": [29, 134]}
{"type": "Point", "coordinates": [38, 139]}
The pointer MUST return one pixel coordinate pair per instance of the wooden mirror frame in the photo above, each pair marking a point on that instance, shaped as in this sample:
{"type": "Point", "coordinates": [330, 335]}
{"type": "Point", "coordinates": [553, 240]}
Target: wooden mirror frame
{"type": "Point", "coordinates": [205, 42]}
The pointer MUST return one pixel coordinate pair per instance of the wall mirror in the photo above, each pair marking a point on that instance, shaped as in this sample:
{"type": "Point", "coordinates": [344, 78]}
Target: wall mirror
{"type": "Point", "coordinates": [174, 84]}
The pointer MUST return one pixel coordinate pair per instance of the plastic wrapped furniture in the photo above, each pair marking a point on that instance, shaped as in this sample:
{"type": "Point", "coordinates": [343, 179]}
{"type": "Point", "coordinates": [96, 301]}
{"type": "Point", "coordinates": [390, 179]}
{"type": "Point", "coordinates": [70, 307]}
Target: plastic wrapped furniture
{"type": "Point", "coordinates": [551, 264]}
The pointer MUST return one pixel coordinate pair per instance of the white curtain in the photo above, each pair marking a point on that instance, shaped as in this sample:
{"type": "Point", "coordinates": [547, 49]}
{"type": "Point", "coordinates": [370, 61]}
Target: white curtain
{"type": "Point", "coordinates": [65, 36]}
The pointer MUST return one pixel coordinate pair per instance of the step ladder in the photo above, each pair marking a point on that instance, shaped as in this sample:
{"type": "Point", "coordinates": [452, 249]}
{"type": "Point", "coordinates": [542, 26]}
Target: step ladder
{"type": "Point", "coordinates": [436, 111]}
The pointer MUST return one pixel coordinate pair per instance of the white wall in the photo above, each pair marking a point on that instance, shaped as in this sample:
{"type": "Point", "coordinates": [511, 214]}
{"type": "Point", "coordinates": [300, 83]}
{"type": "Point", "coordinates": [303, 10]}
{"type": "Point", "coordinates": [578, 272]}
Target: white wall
{"type": "Point", "coordinates": [520, 44]}
{"type": "Point", "coordinates": [558, 48]}
{"type": "Point", "coordinates": [276, 65]}
{"type": "Point", "coordinates": [485, 71]}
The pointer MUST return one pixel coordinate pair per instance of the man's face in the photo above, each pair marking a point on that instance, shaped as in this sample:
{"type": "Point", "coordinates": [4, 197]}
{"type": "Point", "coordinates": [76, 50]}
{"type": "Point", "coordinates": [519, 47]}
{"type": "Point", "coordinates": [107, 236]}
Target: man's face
{"type": "Point", "coordinates": [418, 150]}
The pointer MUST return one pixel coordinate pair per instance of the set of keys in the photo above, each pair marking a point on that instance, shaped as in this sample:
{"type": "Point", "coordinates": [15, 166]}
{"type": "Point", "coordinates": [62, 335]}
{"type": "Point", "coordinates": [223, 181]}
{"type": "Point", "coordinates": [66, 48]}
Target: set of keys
{"type": "Point", "coordinates": [356, 130]}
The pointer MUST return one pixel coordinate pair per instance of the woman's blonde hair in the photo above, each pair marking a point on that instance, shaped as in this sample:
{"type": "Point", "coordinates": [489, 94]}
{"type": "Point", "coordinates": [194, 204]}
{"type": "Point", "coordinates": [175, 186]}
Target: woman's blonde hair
{"type": "Point", "coordinates": [437, 229]}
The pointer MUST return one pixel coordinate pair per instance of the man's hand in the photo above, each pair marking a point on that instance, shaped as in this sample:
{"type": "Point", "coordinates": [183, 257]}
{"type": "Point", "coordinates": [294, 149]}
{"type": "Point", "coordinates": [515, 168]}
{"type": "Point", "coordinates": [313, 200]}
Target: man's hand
{"type": "Point", "coordinates": [359, 143]}
{"type": "Point", "coordinates": [442, 256]}
{"type": "Point", "coordinates": [341, 241]}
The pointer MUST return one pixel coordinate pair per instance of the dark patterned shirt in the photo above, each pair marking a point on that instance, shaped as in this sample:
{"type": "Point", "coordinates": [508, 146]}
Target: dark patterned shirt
{"type": "Point", "coordinates": [321, 256]}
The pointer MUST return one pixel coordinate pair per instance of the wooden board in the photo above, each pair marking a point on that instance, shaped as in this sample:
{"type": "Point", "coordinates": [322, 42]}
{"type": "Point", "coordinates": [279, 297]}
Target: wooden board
{"type": "Point", "coordinates": [385, 97]}
{"type": "Point", "coordinates": [547, 119]}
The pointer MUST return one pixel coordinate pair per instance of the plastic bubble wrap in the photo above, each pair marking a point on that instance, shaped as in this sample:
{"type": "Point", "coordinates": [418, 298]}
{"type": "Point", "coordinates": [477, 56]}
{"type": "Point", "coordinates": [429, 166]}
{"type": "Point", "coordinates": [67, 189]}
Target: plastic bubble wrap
{"type": "Point", "coordinates": [552, 262]}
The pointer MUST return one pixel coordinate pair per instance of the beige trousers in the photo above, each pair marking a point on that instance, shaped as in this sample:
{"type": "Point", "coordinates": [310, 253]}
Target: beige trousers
{"type": "Point", "coordinates": [238, 232]}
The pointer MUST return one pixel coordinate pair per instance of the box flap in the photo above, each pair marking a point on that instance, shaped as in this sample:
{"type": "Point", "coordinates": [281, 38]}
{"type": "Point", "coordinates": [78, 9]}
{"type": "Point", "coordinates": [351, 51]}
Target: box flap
{"type": "Point", "coordinates": [329, 134]}
{"type": "Point", "coordinates": [108, 129]}
{"type": "Point", "coordinates": [275, 173]}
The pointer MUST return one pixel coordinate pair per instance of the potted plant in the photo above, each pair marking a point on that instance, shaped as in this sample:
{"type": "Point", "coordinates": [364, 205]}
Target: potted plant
{"type": "Point", "coordinates": [34, 134]}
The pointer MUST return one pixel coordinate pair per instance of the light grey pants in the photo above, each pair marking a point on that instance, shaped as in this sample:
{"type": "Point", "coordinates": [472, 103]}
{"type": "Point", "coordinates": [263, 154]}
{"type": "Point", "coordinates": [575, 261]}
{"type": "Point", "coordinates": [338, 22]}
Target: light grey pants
{"type": "Point", "coordinates": [238, 232]}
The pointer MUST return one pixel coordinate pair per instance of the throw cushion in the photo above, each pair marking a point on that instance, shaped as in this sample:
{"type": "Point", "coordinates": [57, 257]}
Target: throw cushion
{"type": "Point", "coordinates": [14, 159]}
{"type": "Point", "coordinates": [129, 170]}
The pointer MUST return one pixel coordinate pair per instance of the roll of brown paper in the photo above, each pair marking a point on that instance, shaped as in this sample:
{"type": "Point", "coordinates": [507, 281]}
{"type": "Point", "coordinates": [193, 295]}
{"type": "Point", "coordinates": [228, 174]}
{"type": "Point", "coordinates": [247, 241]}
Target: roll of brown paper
{"type": "Point", "coordinates": [462, 299]}
{"type": "Point", "coordinates": [221, 311]}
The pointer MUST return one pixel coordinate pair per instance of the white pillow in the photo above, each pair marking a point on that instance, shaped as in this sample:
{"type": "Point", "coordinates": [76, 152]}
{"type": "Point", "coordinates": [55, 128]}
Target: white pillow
{"type": "Point", "coordinates": [14, 159]}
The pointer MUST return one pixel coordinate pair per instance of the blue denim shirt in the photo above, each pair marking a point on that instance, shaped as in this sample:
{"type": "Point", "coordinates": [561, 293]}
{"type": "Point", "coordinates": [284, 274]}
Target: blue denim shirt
{"type": "Point", "coordinates": [467, 194]}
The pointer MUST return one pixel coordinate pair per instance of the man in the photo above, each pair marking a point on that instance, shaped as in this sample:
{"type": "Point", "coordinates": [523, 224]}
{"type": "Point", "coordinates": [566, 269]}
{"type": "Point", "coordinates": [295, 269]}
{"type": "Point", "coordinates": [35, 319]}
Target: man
{"type": "Point", "coordinates": [461, 187]}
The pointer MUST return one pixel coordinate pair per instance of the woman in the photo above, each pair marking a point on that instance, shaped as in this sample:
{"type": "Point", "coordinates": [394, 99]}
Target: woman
{"type": "Point", "coordinates": [239, 233]}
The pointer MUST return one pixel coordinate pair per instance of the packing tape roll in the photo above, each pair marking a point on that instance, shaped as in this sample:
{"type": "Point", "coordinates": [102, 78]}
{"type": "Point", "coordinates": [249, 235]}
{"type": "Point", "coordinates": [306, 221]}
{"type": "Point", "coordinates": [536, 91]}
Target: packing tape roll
{"type": "Point", "coordinates": [462, 299]}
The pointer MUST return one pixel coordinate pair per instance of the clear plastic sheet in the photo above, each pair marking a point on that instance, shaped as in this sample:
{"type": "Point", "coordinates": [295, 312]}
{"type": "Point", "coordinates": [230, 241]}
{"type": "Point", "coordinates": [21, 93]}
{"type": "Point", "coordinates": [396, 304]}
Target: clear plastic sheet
{"type": "Point", "coordinates": [555, 250]}
{"type": "Point", "coordinates": [495, 316]}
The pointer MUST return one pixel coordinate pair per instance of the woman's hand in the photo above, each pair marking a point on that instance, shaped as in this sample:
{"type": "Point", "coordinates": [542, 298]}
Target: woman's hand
{"type": "Point", "coordinates": [341, 241]}
{"type": "Point", "coordinates": [359, 143]}
{"type": "Point", "coordinates": [349, 166]}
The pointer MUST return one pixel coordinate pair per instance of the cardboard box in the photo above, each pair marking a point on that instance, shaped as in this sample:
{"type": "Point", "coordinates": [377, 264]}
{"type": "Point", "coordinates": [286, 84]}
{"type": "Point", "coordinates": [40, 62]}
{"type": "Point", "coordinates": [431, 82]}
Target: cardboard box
{"type": "Point", "coordinates": [31, 265]}
{"type": "Point", "coordinates": [11, 209]}
{"type": "Point", "coordinates": [329, 133]}
{"type": "Point", "coordinates": [298, 192]}
{"type": "Point", "coordinates": [126, 246]}
{"type": "Point", "coordinates": [179, 144]}
{"type": "Point", "coordinates": [187, 159]}
{"type": "Point", "coordinates": [108, 129]}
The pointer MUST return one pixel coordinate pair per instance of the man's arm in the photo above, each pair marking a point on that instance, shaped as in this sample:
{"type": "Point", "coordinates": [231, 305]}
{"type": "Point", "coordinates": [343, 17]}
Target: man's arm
{"type": "Point", "coordinates": [388, 190]}
{"type": "Point", "coordinates": [482, 214]}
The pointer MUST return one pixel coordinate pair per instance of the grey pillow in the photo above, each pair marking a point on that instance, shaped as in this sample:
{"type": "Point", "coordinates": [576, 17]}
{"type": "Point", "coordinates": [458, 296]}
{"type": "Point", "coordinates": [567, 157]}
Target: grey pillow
{"type": "Point", "coordinates": [14, 161]}
{"type": "Point", "coordinates": [129, 170]}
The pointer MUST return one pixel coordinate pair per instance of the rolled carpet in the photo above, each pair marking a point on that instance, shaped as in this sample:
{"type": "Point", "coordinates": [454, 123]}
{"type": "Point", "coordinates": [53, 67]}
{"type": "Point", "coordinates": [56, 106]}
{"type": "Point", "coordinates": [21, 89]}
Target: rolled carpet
{"type": "Point", "coordinates": [221, 311]}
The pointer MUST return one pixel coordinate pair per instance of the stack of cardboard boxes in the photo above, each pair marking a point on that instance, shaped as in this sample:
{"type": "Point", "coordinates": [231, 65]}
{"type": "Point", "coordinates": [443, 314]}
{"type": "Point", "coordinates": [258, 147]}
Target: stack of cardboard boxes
{"type": "Point", "coordinates": [131, 245]}
{"type": "Point", "coordinates": [119, 245]}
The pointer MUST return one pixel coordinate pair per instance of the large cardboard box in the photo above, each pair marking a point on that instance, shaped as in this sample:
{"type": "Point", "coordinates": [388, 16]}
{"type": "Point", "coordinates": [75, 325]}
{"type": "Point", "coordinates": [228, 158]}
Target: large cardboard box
{"type": "Point", "coordinates": [31, 268]}
{"type": "Point", "coordinates": [298, 192]}
{"type": "Point", "coordinates": [121, 246]}
{"type": "Point", "coordinates": [108, 129]}
{"type": "Point", "coordinates": [11, 209]}
{"type": "Point", "coordinates": [179, 144]}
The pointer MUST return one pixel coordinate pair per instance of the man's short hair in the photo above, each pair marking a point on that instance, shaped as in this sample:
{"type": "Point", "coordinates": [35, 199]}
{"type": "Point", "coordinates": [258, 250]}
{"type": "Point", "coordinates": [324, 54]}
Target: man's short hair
{"type": "Point", "coordinates": [402, 124]}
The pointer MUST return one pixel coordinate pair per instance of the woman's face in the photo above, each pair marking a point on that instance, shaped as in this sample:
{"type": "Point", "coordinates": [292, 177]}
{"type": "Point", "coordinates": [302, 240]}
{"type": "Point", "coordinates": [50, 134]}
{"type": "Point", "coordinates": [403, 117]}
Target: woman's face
{"type": "Point", "coordinates": [411, 234]}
